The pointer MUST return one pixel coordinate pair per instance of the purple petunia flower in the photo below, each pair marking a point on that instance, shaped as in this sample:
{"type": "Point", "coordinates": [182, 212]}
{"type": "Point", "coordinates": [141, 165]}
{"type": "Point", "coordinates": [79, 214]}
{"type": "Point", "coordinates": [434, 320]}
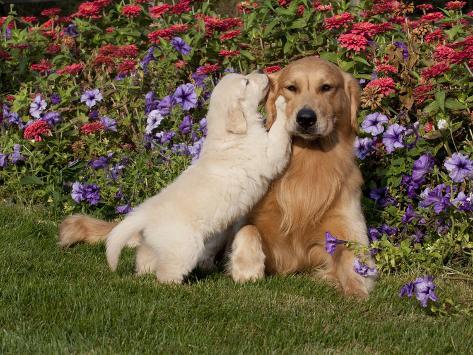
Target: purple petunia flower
{"type": "Point", "coordinates": [186, 125]}
{"type": "Point", "coordinates": [393, 137]}
{"type": "Point", "coordinates": [165, 105]}
{"type": "Point", "coordinates": [423, 288]}
{"type": "Point", "coordinates": [3, 160]}
{"type": "Point", "coordinates": [55, 99]}
{"type": "Point", "coordinates": [459, 167]}
{"type": "Point", "coordinates": [14, 118]}
{"type": "Point", "coordinates": [373, 234]}
{"type": "Point", "coordinates": [331, 243]}
{"type": "Point", "coordinates": [52, 118]}
{"type": "Point", "coordinates": [123, 209]}
{"type": "Point", "coordinates": [37, 106]}
{"type": "Point", "coordinates": [422, 167]}
{"type": "Point", "coordinates": [150, 102]}
{"type": "Point", "coordinates": [382, 197]}
{"type": "Point", "coordinates": [463, 202]}
{"type": "Point", "coordinates": [185, 96]}
{"type": "Point", "coordinates": [195, 149]}
{"type": "Point", "coordinates": [363, 269]}
{"type": "Point", "coordinates": [71, 30]}
{"type": "Point", "coordinates": [109, 123]}
{"type": "Point", "coordinates": [153, 121]}
{"type": "Point", "coordinates": [418, 236]}
{"type": "Point", "coordinates": [164, 137]}
{"type": "Point", "coordinates": [203, 126]}
{"type": "Point", "coordinates": [116, 170]}
{"type": "Point", "coordinates": [93, 115]}
{"type": "Point", "coordinates": [85, 192]}
{"type": "Point", "coordinates": [16, 155]}
{"type": "Point", "coordinates": [363, 147]}
{"type": "Point", "coordinates": [409, 215]}
{"type": "Point", "coordinates": [374, 123]}
{"type": "Point", "coordinates": [435, 197]}
{"type": "Point", "coordinates": [148, 58]}
{"type": "Point", "coordinates": [403, 47]}
{"type": "Point", "coordinates": [388, 230]}
{"type": "Point", "coordinates": [91, 97]}
{"type": "Point", "coordinates": [199, 79]}
{"type": "Point", "coordinates": [99, 163]}
{"type": "Point", "coordinates": [180, 45]}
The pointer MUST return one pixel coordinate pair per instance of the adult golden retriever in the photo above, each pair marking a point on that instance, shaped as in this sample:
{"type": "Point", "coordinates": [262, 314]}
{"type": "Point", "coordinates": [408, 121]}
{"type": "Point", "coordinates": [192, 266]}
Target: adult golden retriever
{"type": "Point", "coordinates": [319, 191]}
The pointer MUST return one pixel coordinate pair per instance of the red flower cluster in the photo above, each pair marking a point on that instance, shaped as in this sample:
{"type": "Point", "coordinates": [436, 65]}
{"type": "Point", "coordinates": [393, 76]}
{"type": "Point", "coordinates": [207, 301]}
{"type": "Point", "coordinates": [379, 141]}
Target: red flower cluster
{"type": "Point", "coordinates": [434, 71]}
{"type": "Point", "coordinates": [131, 10]}
{"type": "Point", "coordinates": [425, 7]}
{"type": "Point", "coordinates": [227, 53]}
{"type": "Point", "coordinates": [455, 5]}
{"type": "Point", "coordinates": [353, 41]}
{"type": "Point", "coordinates": [53, 48]}
{"type": "Point", "coordinates": [29, 19]}
{"type": "Point", "coordinates": [207, 69]}
{"type": "Point", "coordinates": [123, 51]}
{"type": "Point", "coordinates": [36, 129]}
{"type": "Point", "coordinates": [432, 17]}
{"type": "Point", "coordinates": [385, 68]}
{"type": "Point", "coordinates": [73, 69]}
{"type": "Point", "coordinates": [385, 6]}
{"type": "Point", "coordinates": [92, 127]}
{"type": "Point", "coordinates": [54, 11]}
{"type": "Point", "coordinates": [88, 9]}
{"type": "Point", "coordinates": [300, 10]}
{"type": "Point", "coordinates": [422, 92]}
{"type": "Point", "coordinates": [127, 67]}
{"type": "Point", "coordinates": [229, 35]}
{"type": "Point", "coordinates": [370, 29]}
{"type": "Point", "coordinates": [272, 69]}
{"type": "Point", "coordinates": [320, 7]}
{"type": "Point", "coordinates": [384, 85]}
{"type": "Point", "coordinates": [167, 33]}
{"type": "Point", "coordinates": [220, 24]}
{"type": "Point", "coordinates": [4, 55]}
{"type": "Point", "coordinates": [41, 67]}
{"type": "Point", "coordinates": [437, 35]}
{"type": "Point", "coordinates": [443, 53]}
{"type": "Point", "coordinates": [337, 21]}
{"type": "Point", "coordinates": [157, 11]}
{"type": "Point", "coordinates": [181, 7]}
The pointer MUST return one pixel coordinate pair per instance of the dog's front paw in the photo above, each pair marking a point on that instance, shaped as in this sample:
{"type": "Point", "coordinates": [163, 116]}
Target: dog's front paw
{"type": "Point", "coordinates": [281, 104]}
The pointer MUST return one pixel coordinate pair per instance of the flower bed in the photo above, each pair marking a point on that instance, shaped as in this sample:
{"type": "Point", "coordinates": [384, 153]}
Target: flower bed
{"type": "Point", "coordinates": [105, 106]}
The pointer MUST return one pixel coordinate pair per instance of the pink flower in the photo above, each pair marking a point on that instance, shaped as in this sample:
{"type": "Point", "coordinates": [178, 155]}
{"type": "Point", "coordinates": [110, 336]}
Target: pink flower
{"type": "Point", "coordinates": [455, 5]}
{"type": "Point", "coordinates": [36, 129]}
{"type": "Point", "coordinates": [72, 69]}
{"type": "Point", "coordinates": [353, 41]}
{"type": "Point", "coordinates": [157, 11]}
{"type": "Point", "coordinates": [338, 20]}
{"type": "Point", "coordinates": [434, 71]}
{"type": "Point", "coordinates": [227, 53]}
{"type": "Point", "coordinates": [229, 35]}
{"type": "Point", "coordinates": [433, 16]}
{"type": "Point", "coordinates": [92, 127]}
{"type": "Point", "coordinates": [437, 35]}
{"type": "Point", "coordinates": [385, 68]}
{"type": "Point", "coordinates": [384, 85]}
{"type": "Point", "coordinates": [443, 53]}
{"type": "Point", "coordinates": [131, 10]}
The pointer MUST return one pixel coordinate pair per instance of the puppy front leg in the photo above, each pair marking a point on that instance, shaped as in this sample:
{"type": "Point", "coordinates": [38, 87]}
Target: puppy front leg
{"type": "Point", "coordinates": [279, 141]}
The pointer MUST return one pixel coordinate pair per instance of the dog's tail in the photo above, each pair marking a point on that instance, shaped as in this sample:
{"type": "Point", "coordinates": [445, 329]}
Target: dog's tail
{"type": "Point", "coordinates": [120, 236]}
{"type": "Point", "coordinates": [81, 228]}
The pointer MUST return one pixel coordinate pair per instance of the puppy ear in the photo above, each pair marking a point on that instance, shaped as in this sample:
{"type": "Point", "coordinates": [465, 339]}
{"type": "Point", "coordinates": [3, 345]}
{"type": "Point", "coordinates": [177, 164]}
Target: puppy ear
{"type": "Point", "coordinates": [271, 100]}
{"type": "Point", "coordinates": [352, 89]}
{"type": "Point", "coordinates": [235, 122]}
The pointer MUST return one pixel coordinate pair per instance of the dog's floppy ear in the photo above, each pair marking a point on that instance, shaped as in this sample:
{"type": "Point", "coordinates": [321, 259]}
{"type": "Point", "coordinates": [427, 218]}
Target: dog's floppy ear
{"type": "Point", "coordinates": [352, 89]}
{"type": "Point", "coordinates": [235, 122]}
{"type": "Point", "coordinates": [271, 100]}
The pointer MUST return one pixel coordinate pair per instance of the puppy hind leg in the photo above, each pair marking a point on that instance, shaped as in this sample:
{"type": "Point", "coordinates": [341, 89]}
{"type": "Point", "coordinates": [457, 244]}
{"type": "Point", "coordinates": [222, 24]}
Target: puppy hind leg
{"type": "Point", "coordinates": [145, 259]}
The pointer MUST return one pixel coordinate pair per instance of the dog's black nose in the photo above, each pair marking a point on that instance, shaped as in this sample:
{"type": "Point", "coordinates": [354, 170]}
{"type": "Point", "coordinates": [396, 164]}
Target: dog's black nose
{"type": "Point", "coordinates": [306, 117]}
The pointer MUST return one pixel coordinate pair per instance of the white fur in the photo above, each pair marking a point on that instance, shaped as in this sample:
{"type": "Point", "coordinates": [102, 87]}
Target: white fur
{"type": "Point", "coordinates": [238, 161]}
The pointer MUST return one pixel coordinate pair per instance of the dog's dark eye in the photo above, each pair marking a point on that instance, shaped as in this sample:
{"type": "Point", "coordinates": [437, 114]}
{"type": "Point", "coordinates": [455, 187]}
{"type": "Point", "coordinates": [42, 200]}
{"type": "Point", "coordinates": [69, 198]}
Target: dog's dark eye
{"type": "Point", "coordinates": [291, 88]}
{"type": "Point", "coordinates": [326, 87]}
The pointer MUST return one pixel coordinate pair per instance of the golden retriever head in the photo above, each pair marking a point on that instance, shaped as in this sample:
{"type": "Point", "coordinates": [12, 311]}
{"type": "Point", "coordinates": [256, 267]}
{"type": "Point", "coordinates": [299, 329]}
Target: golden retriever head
{"type": "Point", "coordinates": [320, 98]}
{"type": "Point", "coordinates": [236, 98]}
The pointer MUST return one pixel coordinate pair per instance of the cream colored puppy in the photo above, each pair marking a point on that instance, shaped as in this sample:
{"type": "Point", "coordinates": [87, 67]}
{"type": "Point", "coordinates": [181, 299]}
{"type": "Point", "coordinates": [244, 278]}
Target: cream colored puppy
{"type": "Point", "coordinates": [239, 159]}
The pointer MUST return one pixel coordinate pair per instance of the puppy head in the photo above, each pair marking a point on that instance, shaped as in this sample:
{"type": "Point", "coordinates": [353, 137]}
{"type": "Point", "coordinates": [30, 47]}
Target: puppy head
{"type": "Point", "coordinates": [236, 97]}
{"type": "Point", "coordinates": [320, 98]}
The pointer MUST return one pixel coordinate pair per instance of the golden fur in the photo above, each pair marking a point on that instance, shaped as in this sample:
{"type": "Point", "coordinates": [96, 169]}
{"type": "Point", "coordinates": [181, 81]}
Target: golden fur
{"type": "Point", "coordinates": [320, 190]}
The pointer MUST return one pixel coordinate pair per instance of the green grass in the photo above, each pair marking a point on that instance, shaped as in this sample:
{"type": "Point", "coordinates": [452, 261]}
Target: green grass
{"type": "Point", "coordinates": [67, 301]}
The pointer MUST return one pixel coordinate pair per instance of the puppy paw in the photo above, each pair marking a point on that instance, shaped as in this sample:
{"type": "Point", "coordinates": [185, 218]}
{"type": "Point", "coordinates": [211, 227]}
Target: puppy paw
{"type": "Point", "coordinates": [281, 104]}
{"type": "Point", "coordinates": [247, 272]}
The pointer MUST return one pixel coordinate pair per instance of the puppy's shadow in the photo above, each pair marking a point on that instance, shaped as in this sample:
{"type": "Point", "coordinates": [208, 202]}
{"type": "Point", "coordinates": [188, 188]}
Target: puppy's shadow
{"type": "Point", "coordinates": [199, 274]}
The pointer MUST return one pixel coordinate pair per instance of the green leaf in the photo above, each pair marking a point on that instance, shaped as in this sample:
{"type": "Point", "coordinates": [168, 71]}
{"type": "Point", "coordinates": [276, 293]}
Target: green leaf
{"type": "Point", "coordinates": [288, 47]}
{"type": "Point", "coordinates": [440, 99]}
{"type": "Point", "coordinates": [270, 27]}
{"type": "Point", "coordinates": [453, 104]}
{"type": "Point", "coordinates": [331, 57]}
{"type": "Point", "coordinates": [299, 23]}
{"type": "Point", "coordinates": [432, 108]}
{"type": "Point", "coordinates": [247, 55]}
{"type": "Point", "coordinates": [360, 60]}
{"type": "Point", "coordinates": [31, 180]}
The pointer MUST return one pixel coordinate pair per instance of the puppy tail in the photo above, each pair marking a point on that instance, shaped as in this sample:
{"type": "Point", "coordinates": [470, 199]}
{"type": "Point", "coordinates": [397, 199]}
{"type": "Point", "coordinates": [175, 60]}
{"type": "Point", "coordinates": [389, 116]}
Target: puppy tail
{"type": "Point", "coordinates": [80, 228]}
{"type": "Point", "coordinates": [119, 237]}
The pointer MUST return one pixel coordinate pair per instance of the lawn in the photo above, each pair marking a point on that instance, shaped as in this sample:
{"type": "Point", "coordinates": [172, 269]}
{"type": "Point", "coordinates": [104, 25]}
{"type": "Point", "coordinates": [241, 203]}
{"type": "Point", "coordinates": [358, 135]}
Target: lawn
{"type": "Point", "coordinates": [67, 301]}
